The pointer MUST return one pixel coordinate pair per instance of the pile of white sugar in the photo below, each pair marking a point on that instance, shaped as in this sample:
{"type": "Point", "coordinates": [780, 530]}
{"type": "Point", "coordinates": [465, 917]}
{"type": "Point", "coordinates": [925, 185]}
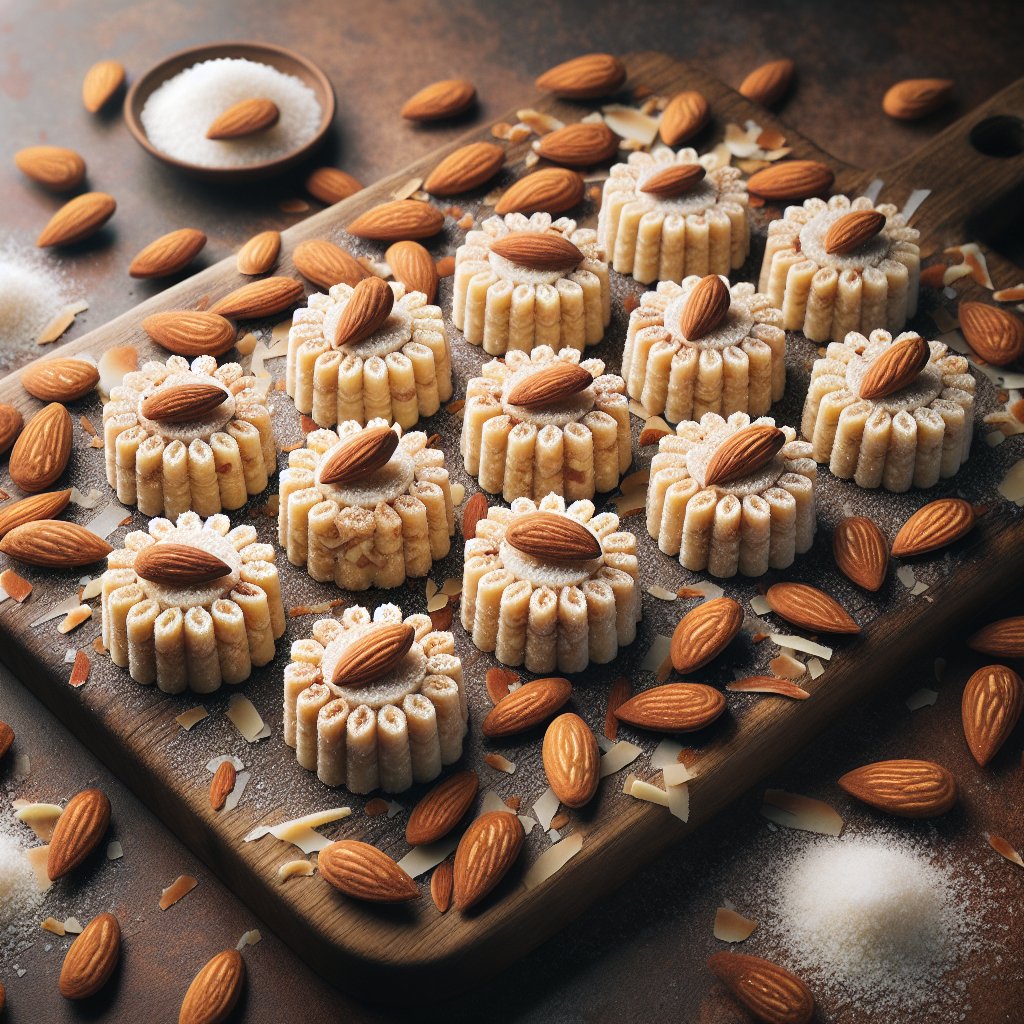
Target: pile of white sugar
{"type": "Point", "coordinates": [177, 115]}
{"type": "Point", "coordinates": [32, 292]}
{"type": "Point", "coordinates": [19, 894]}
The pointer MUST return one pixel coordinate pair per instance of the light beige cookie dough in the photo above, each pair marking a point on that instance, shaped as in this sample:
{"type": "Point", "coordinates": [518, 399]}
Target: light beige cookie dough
{"type": "Point", "coordinates": [395, 731]}
{"type": "Point", "coordinates": [740, 366]}
{"type": "Point", "coordinates": [505, 306]}
{"type": "Point", "coordinates": [827, 295]}
{"type": "Point", "coordinates": [911, 438]}
{"type": "Point", "coordinates": [204, 463]}
{"type": "Point", "coordinates": [183, 634]}
{"type": "Point", "coordinates": [704, 230]}
{"type": "Point", "coordinates": [749, 524]}
{"type": "Point", "coordinates": [401, 373]}
{"type": "Point", "coordinates": [550, 615]}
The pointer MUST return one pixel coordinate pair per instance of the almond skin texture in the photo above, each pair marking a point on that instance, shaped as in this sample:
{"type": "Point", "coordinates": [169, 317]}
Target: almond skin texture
{"type": "Point", "coordinates": [367, 310]}
{"type": "Point", "coordinates": [526, 707]}
{"type": "Point", "coordinates": [706, 307]}
{"type": "Point", "coordinates": [908, 789]}
{"type": "Point", "coordinates": [914, 98]}
{"type": "Point", "coordinates": [101, 82]}
{"type": "Point", "coordinates": [853, 230]}
{"type": "Point", "coordinates": [39, 506]}
{"type": "Point", "coordinates": [53, 167]}
{"type": "Point", "coordinates": [259, 254]}
{"type": "Point", "coordinates": [442, 808]}
{"type": "Point", "coordinates": [367, 452]}
{"type": "Point", "coordinates": [549, 190]}
{"type": "Point", "coordinates": [553, 384]}
{"type": "Point", "coordinates": [41, 453]}
{"type": "Point", "coordinates": [183, 403]}
{"type": "Point", "coordinates": [326, 264]}
{"type": "Point", "coordinates": [363, 872]}
{"type": "Point", "coordinates": [190, 332]}
{"type": "Point", "coordinates": [810, 608]}
{"type": "Point", "coordinates": [441, 885]}
{"type": "Point", "coordinates": [553, 538]}
{"type": "Point", "coordinates": [579, 145]}
{"type": "Point", "coordinates": [224, 779]}
{"type": "Point", "coordinates": [933, 526]}
{"type": "Point", "coordinates": [414, 267]}
{"type": "Point", "coordinates": [768, 83]}
{"type": "Point", "coordinates": [675, 180]}
{"type": "Point", "coordinates": [861, 552]}
{"type": "Point", "coordinates": [91, 958]}
{"type": "Point", "coordinates": [704, 632]}
{"type": "Point", "coordinates": [572, 760]}
{"type": "Point", "coordinates": [439, 100]}
{"type": "Point", "coordinates": [997, 335]}
{"type": "Point", "coordinates": [769, 992]}
{"type": "Point", "coordinates": [1004, 639]}
{"type": "Point", "coordinates": [178, 565]}
{"type": "Point", "coordinates": [465, 169]}
{"type": "Point", "coordinates": [60, 380]}
{"type": "Point", "coordinates": [537, 251]}
{"type": "Point", "coordinates": [744, 453]}
{"type": "Point", "coordinates": [215, 990]}
{"type": "Point", "coordinates": [78, 832]}
{"type": "Point", "coordinates": [54, 544]}
{"type": "Point", "coordinates": [373, 655]}
{"type": "Point", "coordinates": [474, 510]}
{"type": "Point", "coordinates": [686, 114]}
{"type": "Point", "coordinates": [246, 117]}
{"type": "Point", "coordinates": [77, 219]}
{"type": "Point", "coordinates": [400, 219]}
{"type": "Point", "coordinates": [584, 78]}
{"type": "Point", "coordinates": [489, 847]}
{"type": "Point", "coordinates": [992, 703]}
{"type": "Point", "coordinates": [168, 254]}
{"type": "Point", "coordinates": [265, 297]}
{"type": "Point", "coordinates": [896, 368]}
{"type": "Point", "coordinates": [331, 185]}
{"type": "Point", "coordinates": [674, 707]}
{"type": "Point", "coordinates": [11, 423]}
{"type": "Point", "coordinates": [6, 739]}
{"type": "Point", "coordinates": [791, 179]}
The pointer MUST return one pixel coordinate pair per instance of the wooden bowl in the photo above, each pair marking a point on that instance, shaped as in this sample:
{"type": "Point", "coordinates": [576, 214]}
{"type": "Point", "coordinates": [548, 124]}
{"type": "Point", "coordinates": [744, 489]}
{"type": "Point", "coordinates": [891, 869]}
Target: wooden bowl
{"type": "Point", "coordinates": [287, 61]}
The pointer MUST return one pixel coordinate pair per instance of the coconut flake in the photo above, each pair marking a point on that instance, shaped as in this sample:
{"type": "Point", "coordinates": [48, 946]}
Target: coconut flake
{"type": "Point", "coordinates": [90, 500]}
{"type": "Point", "coordinates": [791, 810]}
{"type": "Point", "coordinates": [189, 718]}
{"type": "Point", "coordinates": [300, 831]}
{"type": "Point", "coordinates": [665, 753]}
{"type": "Point", "coordinates": [1004, 849]}
{"type": "Point", "coordinates": [656, 653]}
{"type": "Point", "coordinates": [759, 605]}
{"type": "Point", "coordinates": [115, 851]}
{"type": "Point", "coordinates": [243, 715]}
{"type": "Point", "coordinates": [39, 817]}
{"type": "Point", "coordinates": [617, 758]}
{"type": "Point", "coordinates": [641, 790]}
{"type": "Point", "coordinates": [798, 643]}
{"type": "Point", "coordinates": [874, 190]}
{"type": "Point", "coordinates": [732, 927]}
{"type": "Point", "coordinates": [249, 938]}
{"type": "Point", "coordinates": [546, 808]}
{"type": "Point", "coordinates": [922, 698]}
{"type": "Point", "coordinates": [675, 774]}
{"type": "Point", "coordinates": [291, 868]}
{"type": "Point", "coordinates": [815, 668]}
{"type": "Point", "coordinates": [421, 859]}
{"type": "Point", "coordinates": [913, 204]}
{"type": "Point", "coordinates": [552, 860]}
{"type": "Point", "coordinates": [177, 890]}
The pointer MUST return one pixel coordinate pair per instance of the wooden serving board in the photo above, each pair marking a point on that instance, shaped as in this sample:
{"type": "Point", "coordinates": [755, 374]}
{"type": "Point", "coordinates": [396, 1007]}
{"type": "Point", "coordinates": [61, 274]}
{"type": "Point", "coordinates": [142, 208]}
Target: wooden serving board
{"type": "Point", "coordinates": [415, 952]}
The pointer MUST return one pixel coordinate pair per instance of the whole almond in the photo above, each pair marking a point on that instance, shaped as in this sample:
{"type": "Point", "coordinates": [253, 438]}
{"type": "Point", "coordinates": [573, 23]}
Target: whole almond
{"type": "Point", "coordinates": [6, 739]}
{"type": "Point", "coordinates": [442, 808]}
{"type": "Point", "coordinates": [265, 297]}
{"type": "Point", "coordinates": [572, 760]}
{"type": "Point", "coordinates": [997, 335]}
{"type": "Point", "coordinates": [91, 958]}
{"type": "Point", "coordinates": [916, 97]}
{"type": "Point", "coordinates": [769, 992]}
{"type": "Point", "coordinates": [78, 831]}
{"type": "Point", "coordinates": [706, 307]}
{"type": "Point", "coordinates": [549, 190]}
{"type": "Point", "coordinates": [102, 81]}
{"type": "Point", "coordinates": [168, 254]}
{"type": "Point", "coordinates": [41, 453]}
{"type": "Point", "coordinates": [360, 456]}
{"type": "Point", "coordinates": [398, 220]}
{"type": "Point", "coordinates": [704, 632]}
{"type": "Point", "coordinates": [768, 83]}
{"type": "Point", "coordinates": [475, 510]}
{"type": "Point", "coordinates": [442, 882]}
{"type": "Point", "coordinates": [934, 526]}
{"type": "Point", "coordinates": [579, 145]}
{"type": "Point", "coordinates": [854, 229]}
{"type": "Point", "coordinates": [179, 565]}
{"type": "Point", "coordinates": [183, 403]}
{"type": "Point", "coordinates": [440, 100]}
{"type": "Point", "coordinates": [908, 789]}
{"type": "Point", "coordinates": [526, 707]}
{"type": "Point", "coordinates": [555, 383]}
{"type": "Point", "coordinates": [39, 506]}
{"type": "Point", "coordinates": [538, 251]}
{"type": "Point", "coordinates": [675, 180]}
{"type": "Point", "coordinates": [896, 368]}
{"type": "Point", "coordinates": [215, 990]}
{"type": "Point", "coordinates": [363, 872]}
{"type": "Point", "coordinates": [861, 552]}
{"type": "Point", "coordinates": [414, 267]}
{"type": "Point", "coordinates": [992, 703]}
{"type": "Point", "coordinates": [11, 423]}
{"type": "Point", "coordinates": [744, 453]}
{"type": "Point", "coordinates": [486, 851]}
{"type": "Point", "coordinates": [331, 185]}
{"type": "Point", "coordinates": [809, 607]}
{"type": "Point", "coordinates": [674, 707]}
{"type": "Point", "coordinates": [373, 655]}
{"type": "Point", "coordinates": [465, 169]}
{"type": "Point", "coordinates": [54, 167]}
{"type": "Point", "coordinates": [77, 219]}
{"type": "Point", "coordinates": [54, 544]}
{"type": "Point", "coordinates": [191, 332]}
{"type": "Point", "coordinates": [327, 264]}
{"type": "Point", "coordinates": [224, 779]}
{"type": "Point", "coordinates": [60, 380]}
{"type": "Point", "coordinates": [553, 538]}
{"type": "Point", "coordinates": [584, 78]}
{"type": "Point", "coordinates": [259, 254]}
{"type": "Point", "coordinates": [686, 114]}
{"type": "Point", "coordinates": [366, 311]}
{"type": "Point", "coordinates": [791, 179]}
{"type": "Point", "coordinates": [247, 117]}
{"type": "Point", "coordinates": [1004, 638]}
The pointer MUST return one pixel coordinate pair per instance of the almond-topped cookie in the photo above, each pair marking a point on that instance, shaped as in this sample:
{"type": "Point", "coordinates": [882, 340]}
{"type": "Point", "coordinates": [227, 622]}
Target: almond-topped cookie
{"type": "Point", "coordinates": [375, 702]}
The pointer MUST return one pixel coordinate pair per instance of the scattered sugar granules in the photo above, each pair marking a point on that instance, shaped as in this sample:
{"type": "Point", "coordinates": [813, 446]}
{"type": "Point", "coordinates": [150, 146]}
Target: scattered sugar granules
{"type": "Point", "coordinates": [32, 293]}
{"type": "Point", "coordinates": [177, 115]}
{"type": "Point", "coordinates": [19, 894]}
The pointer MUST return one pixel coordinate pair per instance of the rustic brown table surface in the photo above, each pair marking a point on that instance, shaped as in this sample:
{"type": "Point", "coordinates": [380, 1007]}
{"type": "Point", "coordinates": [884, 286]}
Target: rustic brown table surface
{"type": "Point", "coordinates": [640, 955]}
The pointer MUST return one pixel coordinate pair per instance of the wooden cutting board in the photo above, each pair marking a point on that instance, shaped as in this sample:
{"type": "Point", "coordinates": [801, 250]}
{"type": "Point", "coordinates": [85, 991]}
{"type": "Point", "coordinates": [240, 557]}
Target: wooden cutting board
{"type": "Point", "coordinates": [411, 953]}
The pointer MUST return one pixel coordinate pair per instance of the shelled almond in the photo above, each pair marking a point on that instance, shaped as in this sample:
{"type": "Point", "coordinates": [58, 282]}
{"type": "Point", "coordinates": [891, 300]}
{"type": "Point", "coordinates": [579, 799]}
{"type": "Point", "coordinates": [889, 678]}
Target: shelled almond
{"type": "Point", "coordinates": [906, 788]}
{"type": "Point", "coordinates": [914, 98]}
{"type": "Point", "coordinates": [852, 230]}
{"type": "Point", "coordinates": [861, 552]}
{"type": "Point", "coordinates": [997, 335]}
{"type": "Point", "coordinates": [64, 379]}
{"type": "Point", "coordinates": [41, 453]}
{"type": "Point", "coordinates": [366, 311]}
{"type": "Point", "coordinates": [259, 254]}
{"type": "Point", "coordinates": [215, 990]}
{"type": "Point", "coordinates": [55, 167]}
{"type": "Point", "coordinates": [556, 383]}
{"type": "Point", "coordinates": [223, 782]}
{"type": "Point", "coordinates": [190, 332]}
{"type": "Point", "coordinates": [265, 297]}
{"type": "Point", "coordinates": [791, 179]}
{"type": "Point", "coordinates": [54, 544]}
{"type": "Point", "coordinates": [47, 505]}
{"type": "Point", "coordinates": [768, 83]}
{"type": "Point", "coordinates": [588, 77]}
{"type": "Point", "coordinates": [364, 454]}
{"type": "Point", "coordinates": [553, 538]}
{"type": "Point", "coordinates": [102, 82]}
{"type": "Point", "coordinates": [1003, 638]}
{"type": "Point", "coordinates": [439, 100]}
{"type": "Point", "coordinates": [474, 511]}
{"type": "Point", "coordinates": [247, 117]}
{"type": "Point", "coordinates": [810, 608]}
{"type": "Point", "coordinates": [365, 873]}
{"type": "Point", "coordinates": [326, 264]}
{"type": "Point", "coordinates": [769, 992]}
{"type": "Point", "coordinates": [183, 403]}
{"type": "Point", "coordinates": [934, 526]}
{"type": "Point", "coordinates": [77, 219]}
{"type": "Point", "coordinates": [441, 808]}
{"type": "Point", "coordinates": [684, 116]}
{"type": "Point", "coordinates": [398, 220]}
{"type": "Point", "coordinates": [704, 632]}
{"type": "Point", "coordinates": [79, 830]}
{"type": "Point", "coordinates": [465, 169]}
{"type": "Point", "coordinates": [331, 185]}
{"type": "Point", "coordinates": [674, 707]}
{"type": "Point", "coordinates": [991, 707]}
{"type": "Point", "coordinates": [549, 190]}
{"type": "Point", "coordinates": [179, 565]}
{"type": "Point", "coordinates": [744, 453]}
{"type": "Point", "coordinates": [91, 959]}
{"type": "Point", "coordinates": [486, 851]}
{"type": "Point", "coordinates": [572, 760]}
{"type": "Point", "coordinates": [11, 424]}
{"type": "Point", "coordinates": [526, 707]}
{"type": "Point", "coordinates": [674, 181]}
{"type": "Point", "coordinates": [168, 254]}
{"type": "Point", "coordinates": [6, 739]}
{"type": "Point", "coordinates": [373, 655]}
{"type": "Point", "coordinates": [536, 251]}
{"type": "Point", "coordinates": [706, 307]}
{"type": "Point", "coordinates": [896, 368]}
{"type": "Point", "coordinates": [579, 145]}
{"type": "Point", "coordinates": [414, 267]}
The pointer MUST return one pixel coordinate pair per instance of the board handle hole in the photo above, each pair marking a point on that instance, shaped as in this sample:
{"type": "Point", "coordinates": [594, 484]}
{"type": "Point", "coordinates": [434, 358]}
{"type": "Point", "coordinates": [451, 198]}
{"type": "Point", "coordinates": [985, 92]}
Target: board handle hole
{"type": "Point", "coordinates": [1002, 136]}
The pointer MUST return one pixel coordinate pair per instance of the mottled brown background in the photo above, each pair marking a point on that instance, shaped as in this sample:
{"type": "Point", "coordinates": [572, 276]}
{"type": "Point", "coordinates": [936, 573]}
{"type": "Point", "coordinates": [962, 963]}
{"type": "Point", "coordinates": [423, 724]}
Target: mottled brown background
{"type": "Point", "coordinates": [640, 955]}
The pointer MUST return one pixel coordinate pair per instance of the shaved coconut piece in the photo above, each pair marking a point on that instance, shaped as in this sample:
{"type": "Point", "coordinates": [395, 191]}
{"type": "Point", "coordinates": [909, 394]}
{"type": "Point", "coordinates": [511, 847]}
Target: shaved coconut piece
{"type": "Point", "coordinates": [618, 757]}
{"type": "Point", "coordinates": [246, 719]}
{"type": "Point", "coordinates": [732, 927]}
{"type": "Point", "coordinates": [679, 802]}
{"type": "Point", "coordinates": [787, 666]}
{"type": "Point", "coordinates": [1004, 849]}
{"type": "Point", "coordinates": [36, 858]}
{"type": "Point", "coordinates": [815, 667]}
{"type": "Point", "coordinates": [72, 926]}
{"type": "Point", "coordinates": [437, 602]}
{"type": "Point", "coordinates": [291, 868]}
{"type": "Point", "coordinates": [922, 698]}
{"type": "Point", "coordinates": [656, 653]}
{"type": "Point", "coordinates": [630, 123]}
{"type": "Point", "coordinates": [798, 643]}
{"type": "Point", "coordinates": [541, 123]}
{"type": "Point", "coordinates": [394, 808]}
{"type": "Point", "coordinates": [913, 204]}
{"type": "Point", "coordinates": [638, 410]}
{"type": "Point", "coordinates": [778, 687]}
{"type": "Point", "coordinates": [708, 589]}
{"type": "Point", "coordinates": [115, 851]}
{"type": "Point", "coordinates": [791, 810]}
{"type": "Point", "coordinates": [246, 344]}
{"type": "Point", "coordinates": [972, 255]}
{"type": "Point", "coordinates": [675, 774]}
{"type": "Point", "coordinates": [1012, 484]}
{"type": "Point", "coordinates": [665, 753]}
{"type": "Point", "coordinates": [249, 938]}
{"type": "Point", "coordinates": [21, 767]}
{"type": "Point", "coordinates": [492, 802]}
{"type": "Point", "coordinates": [546, 808]}
{"type": "Point", "coordinates": [299, 831]}
{"type": "Point", "coordinates": [421, 859]}
{"type": "Point", "coordinates": [67, 605]}
{"type": "Point", "coordinates": [407, 188]}
{"type": "Point", "coordinates": [874, 190]}
{"type": "Point", "coordinates": [629, 504]}
{"type": "Point", "coordinates": [738, 141]}
{"type": "Point", "coordinates": [1014, 294]}
{"type": "Point", "coordinates": [552, 861]}
{"type": "Point", "coordinates": [430, 589]}
{"type": "Point", "coordinates": [627, 784]}
{"type": "Point", "coordinates": [189, 718]}
{"type": "Point", "coordinates": [52, 925]}
{"type": "Point", "coordinates": [60, 323]}
{"type": "Point", "coordinates": [651, 794]}
{"type": "Point", "coordinates": [90, 500]}
{"type": "Point", "coordinates": [905, 574]}
{"type": "Point", "coordinates": [458, 494]}
{"type": "Point", "coordinates": [75, 618]}
{"type": "Point", "coordinates": [954, 273]}
{"type": "Point", "coordinates": [452, 587]}
{"type": "Point", "coordinates": [40, 818]}
{"type": "Point", "coordinates": [92, 589]}
{"type": "Point", "coordinates": [381, 270]}
{"type": "Point", "coordinates": [662, 593]}
{"type": "Point", "coordinates": [241, 781]}
{"type": "Point", "coordinates": [500, 763]}
{"type": "Point", "coordinates": [177, 890]}
{"type": "Point", "coordinates": [759, 605]}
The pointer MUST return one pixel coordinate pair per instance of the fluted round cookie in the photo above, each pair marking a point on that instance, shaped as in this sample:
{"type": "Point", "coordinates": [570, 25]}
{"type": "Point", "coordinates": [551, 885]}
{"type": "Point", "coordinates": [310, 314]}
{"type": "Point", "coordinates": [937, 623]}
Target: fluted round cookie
{"type": "Point", "coordinates": [740, 366]}
{"type": "Point", "coordinates": [509, 306]}
{"type": "Point", "coordinates": [401, 373]}
{"type": "Point", "coordinates": [173, 445]}
{"type": "Point", "coordinates": [549, 613]}
{"type": "Point", "coordinates": [171, 624]}
{"type": "Point", "coordinates": [912, 437]}
{"type": "Point", "coordinates": [399, 729]}
{"type": "Point", "coordinates": [761, 518]}
{"type": "Point", "coordinates": [376, 530]}
{"type": "Point", "coordinates": [575, 445]}
{"type": "Point", "coordinates": [655, 235]}
{"type": "Point", "coordinates": [828, 294]}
